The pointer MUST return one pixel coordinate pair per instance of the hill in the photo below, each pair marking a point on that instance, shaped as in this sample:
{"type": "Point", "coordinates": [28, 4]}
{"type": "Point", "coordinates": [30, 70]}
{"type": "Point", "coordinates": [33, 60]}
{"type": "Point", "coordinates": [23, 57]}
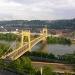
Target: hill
{"type": "Point", "coordinates": [52, 24]}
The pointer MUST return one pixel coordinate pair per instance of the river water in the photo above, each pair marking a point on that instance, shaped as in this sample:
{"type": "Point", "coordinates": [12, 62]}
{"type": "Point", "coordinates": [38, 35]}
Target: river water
{"type": "Point", "coordinates": [12, 44]}
{"type": "Point", "coordinates": [56, 49]}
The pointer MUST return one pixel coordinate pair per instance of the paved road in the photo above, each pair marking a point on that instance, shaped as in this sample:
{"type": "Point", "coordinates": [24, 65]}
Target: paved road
{"type": "Point", "coordinates": [4, 72]}
{"type": "Point", "coordinates": [57, 67]}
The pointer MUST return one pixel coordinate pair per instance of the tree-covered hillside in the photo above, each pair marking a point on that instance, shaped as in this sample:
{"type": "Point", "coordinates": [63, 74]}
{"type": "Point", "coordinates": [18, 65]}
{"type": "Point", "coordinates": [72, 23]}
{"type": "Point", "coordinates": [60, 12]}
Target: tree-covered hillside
{"type": "Point", "coordinates": [53, 24]}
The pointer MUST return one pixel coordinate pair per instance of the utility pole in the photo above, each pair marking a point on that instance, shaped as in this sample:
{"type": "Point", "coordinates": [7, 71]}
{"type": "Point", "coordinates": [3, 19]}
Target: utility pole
{"type": "Point", "coordinates": [41, 71]}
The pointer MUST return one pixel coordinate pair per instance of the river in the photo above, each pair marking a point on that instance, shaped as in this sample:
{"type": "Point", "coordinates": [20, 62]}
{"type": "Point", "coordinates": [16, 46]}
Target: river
{"type": "Point", "coordinates": [56, 49]}
{"type": "Point", "coordinates": [12, 44]}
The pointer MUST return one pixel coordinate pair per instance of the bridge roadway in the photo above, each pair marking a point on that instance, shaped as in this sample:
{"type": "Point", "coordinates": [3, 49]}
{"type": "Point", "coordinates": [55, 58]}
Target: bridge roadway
{"type": "Point", "coordinates": [21, 50]}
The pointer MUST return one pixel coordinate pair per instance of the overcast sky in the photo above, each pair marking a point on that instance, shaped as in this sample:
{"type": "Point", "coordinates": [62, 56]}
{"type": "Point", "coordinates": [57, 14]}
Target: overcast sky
{"type": "Point", "coordinates": [37, 9]}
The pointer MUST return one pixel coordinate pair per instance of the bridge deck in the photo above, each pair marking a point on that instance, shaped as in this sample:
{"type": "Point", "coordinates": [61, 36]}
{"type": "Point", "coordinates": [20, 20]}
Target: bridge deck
{"type": "Point", "coordinates": [21, 50]}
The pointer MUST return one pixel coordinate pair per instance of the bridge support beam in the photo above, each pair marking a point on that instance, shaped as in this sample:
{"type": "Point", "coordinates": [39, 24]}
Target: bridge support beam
{"type": "Point", "coordinates": [29, 41]}
{"type": "Point", "coordinates": [22, 38]}
{"type": "Point", "coordinates": [26, 34]}
{"type": "Point", "coordinates": [45, 33]}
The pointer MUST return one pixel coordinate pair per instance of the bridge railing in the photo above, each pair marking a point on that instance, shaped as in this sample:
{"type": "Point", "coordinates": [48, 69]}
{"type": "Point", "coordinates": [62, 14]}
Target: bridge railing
{"type": "Point", "coordinates": [18, 52]}
{"type": "Point", "coordinates": [33, 42]}
{"type": "Point", "coordinates": [13, 52]}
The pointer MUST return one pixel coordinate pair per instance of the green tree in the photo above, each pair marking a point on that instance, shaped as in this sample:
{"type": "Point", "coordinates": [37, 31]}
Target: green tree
{"type": "Point", "coordinates": [22, 66]}
{"type": "Point", "coordinates": [47, 71]}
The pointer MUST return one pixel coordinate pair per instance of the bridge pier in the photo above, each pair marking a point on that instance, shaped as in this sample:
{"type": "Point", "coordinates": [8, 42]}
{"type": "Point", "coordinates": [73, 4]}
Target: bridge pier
{"type": "Point", "coordinates": [26, 34]}
{"type": "Point", "coordinates": [45, 33]}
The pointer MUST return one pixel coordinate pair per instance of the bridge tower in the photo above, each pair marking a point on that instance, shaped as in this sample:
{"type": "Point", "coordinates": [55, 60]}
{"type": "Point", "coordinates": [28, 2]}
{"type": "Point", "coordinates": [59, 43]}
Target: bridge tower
{"type": "Point", "coordinates": [25, 34]}
{"type": "Point", "coordinates": [45, 33]}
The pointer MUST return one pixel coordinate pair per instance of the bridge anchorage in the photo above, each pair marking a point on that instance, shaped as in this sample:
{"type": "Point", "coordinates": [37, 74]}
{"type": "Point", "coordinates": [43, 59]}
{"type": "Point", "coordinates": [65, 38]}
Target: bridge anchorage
{"type": "Point", "coordinates": [25, 46]}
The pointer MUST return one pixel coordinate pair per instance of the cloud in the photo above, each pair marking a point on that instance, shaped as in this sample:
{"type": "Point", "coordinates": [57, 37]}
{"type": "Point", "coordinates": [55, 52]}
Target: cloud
{"type": "Point", "coordinates": [37, 9]}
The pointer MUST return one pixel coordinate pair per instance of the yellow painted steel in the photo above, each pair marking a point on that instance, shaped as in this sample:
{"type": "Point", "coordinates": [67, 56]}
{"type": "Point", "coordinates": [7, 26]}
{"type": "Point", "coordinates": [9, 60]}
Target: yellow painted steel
{"type": "Point", "coordinates": [25, 34]}
{"type": "Point", "coordinates": [28, 33]}
{"type": "Point", "coordinates": [26, 47]}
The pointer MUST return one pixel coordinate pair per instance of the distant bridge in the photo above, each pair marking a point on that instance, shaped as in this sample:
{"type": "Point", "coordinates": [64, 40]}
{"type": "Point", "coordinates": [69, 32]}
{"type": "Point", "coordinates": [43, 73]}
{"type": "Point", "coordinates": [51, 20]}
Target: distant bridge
{"type": "Point", "coordinates": [24, 47]}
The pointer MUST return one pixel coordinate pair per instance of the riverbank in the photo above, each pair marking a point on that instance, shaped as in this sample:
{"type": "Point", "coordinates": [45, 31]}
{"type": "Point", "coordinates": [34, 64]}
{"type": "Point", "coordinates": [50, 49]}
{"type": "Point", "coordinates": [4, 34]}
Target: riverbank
{"type": "Point", "coordinates": [58, 40]}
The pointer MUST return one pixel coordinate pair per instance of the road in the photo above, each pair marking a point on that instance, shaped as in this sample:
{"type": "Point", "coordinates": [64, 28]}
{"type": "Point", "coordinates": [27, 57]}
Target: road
{"type": "Point", "coordinates": [57, 67]}
{"type": "Point", "coordinates": [5, 72]}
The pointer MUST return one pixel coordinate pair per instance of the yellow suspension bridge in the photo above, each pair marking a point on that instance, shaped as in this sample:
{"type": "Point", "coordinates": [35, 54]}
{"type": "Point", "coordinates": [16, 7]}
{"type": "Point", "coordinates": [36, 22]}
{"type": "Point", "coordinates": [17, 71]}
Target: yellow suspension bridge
{"type": "Point", "coordinates": [24, 47]}
{"type": "Point", "coordinates": [27, 46]}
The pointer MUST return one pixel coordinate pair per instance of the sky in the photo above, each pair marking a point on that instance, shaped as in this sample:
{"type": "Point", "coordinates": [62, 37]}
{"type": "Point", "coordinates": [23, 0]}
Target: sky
{"type": "Point", "coordinates": [37, 9]}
